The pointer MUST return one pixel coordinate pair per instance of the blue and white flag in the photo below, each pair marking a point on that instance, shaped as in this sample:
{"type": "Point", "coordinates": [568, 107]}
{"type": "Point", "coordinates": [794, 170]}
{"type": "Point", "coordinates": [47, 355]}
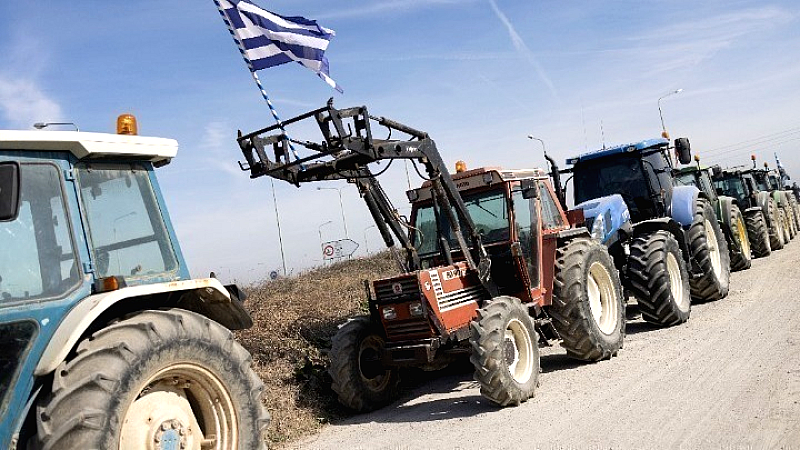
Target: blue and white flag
{"type": "Point", "coordinates": [267, 39]}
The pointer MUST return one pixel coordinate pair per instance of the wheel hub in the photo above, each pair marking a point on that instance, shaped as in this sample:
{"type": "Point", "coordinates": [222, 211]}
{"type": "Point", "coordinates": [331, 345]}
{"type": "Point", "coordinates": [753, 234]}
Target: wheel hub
{"type": "Point", "coordinates": [161, 420]}
{"type": "Point", "coordinates": [171, 435]}
{"type": "Point", "coordinates": [713, 249]}
{"type": "Point", "coordinates": [602, 298]}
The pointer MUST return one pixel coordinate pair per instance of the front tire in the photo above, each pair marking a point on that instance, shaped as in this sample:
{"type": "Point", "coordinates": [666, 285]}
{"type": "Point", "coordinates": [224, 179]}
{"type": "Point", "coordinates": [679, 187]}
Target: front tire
{"type": "Point", "coordinates": [758, 234]}
{"type": "Point", "coordinates": [360, 379]}
{"type": "Point", "coordinates": [659, 280]}
{"type": "Point", "coordinates": [740, 255]}
{"type": "Point", "coordinates": [588, 308]}
{"type": "Point", "coordinates": [505, 351]}
{"type": "Point", "coordinates": [709, 250]}
{"type": "Point", "coordinates": [171, 377]}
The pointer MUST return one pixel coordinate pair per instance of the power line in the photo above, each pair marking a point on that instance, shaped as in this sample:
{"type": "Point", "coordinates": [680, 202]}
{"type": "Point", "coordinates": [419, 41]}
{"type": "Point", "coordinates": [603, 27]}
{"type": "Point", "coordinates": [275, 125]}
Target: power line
{"type": "Point", "coordinates": [754, 142]}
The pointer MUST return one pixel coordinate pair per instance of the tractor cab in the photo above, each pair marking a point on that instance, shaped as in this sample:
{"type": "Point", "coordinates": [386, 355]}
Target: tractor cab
{"type": "Point", "coordinates": [640, 172]}
{"type": "Point", "coordinates": [515, 212]}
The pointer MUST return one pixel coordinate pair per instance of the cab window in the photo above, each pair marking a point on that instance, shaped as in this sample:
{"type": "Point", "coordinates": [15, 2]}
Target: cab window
{"type": "Point", "coordinates": [127, 234]}
{"type": "Point", "coordinates": [551, 215]}
{"type": "Point", "coordinates": [38, 260]}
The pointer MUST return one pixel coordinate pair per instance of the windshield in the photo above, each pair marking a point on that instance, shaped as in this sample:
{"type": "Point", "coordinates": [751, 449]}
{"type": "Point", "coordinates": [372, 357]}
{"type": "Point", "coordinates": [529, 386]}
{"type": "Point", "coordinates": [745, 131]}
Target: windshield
{"type": "Point", "coordinates": [488, 210]}
{"type": "Point", "coordinates": [685, 179]}
{"type": "Point", "coordinates": [126, 230]}
{"type": "Point", "coordinates": [732, 186]}
{"type": "Point", "coordinates": [622, 175]}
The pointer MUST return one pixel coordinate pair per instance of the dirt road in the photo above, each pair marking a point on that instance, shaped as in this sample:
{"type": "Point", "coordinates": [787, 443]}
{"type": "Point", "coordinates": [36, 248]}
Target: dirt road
{"type": "Point", "coordinates": [728, 378]}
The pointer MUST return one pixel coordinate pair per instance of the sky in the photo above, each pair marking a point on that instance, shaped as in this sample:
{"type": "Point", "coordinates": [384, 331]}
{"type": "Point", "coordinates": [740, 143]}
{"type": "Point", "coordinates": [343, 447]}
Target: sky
{"type": "Point", "coordinates": [478, 75]}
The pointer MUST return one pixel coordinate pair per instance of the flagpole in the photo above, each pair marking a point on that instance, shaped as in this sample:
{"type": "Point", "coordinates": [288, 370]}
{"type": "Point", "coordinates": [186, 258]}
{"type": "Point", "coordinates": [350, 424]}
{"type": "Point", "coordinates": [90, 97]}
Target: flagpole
{"type": "Point", "coordinates": [249, 64]}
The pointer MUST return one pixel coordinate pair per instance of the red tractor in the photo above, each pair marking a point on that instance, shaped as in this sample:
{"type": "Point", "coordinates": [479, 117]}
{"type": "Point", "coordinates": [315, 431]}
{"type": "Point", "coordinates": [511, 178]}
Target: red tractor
{"type": "Point", "coordinates": [491, 265]}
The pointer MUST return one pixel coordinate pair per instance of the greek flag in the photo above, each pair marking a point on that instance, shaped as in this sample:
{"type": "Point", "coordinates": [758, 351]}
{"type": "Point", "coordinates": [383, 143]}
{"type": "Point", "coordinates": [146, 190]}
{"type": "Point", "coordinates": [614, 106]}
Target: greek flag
{"type": "Point", "coordinates": [267, 39]}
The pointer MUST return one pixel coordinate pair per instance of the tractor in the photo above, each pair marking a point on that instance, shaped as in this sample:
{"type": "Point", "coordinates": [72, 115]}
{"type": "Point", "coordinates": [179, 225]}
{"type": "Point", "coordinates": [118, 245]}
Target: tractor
{"type": "Point", "coordinates": [731, 219]}
{"type": "Point", "coordinates": [665, 239]}
{"type": "Point", "coordinates": [490, 263]}
{"type": "Point", "coordinates": [760, 211]}
{"type": "Point", "coordinates": [768, 182]}
{"type": "Point", "coordinates": [107, 342]}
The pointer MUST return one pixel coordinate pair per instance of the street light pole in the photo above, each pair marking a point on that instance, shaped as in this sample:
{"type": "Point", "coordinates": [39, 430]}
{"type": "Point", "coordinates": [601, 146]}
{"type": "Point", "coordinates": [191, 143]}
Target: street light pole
{"type": "Point", "coordinates": [341, 206]}
{"type": "Point", "coordinates": [664, 133]}
{"type": "Point", "coordinates": [278, 220]}
{"type": "Point", "coordinates": [366, 243]}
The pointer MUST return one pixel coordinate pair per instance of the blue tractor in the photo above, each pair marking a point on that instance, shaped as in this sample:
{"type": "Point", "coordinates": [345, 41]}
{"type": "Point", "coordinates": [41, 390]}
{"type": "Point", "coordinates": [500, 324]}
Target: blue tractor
{"type": "Point", "coordinates": [665, 239]}
{"type": "Point", "coordinates": [106, 342]}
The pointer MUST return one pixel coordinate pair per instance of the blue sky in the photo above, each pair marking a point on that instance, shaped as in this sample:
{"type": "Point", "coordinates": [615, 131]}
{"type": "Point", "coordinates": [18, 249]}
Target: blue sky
{"type": "Point", "coordinates": [478, 75]}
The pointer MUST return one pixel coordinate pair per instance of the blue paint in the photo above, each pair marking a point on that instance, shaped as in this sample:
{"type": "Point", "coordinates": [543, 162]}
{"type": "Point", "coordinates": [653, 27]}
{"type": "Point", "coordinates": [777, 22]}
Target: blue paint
{"type": "Point", "coordinates": [613, 210]}
{"type": "Point", "coordinates": [684, 201]}
{"type": "Point", "coordinates": [624, 148]}
{"type": "Point", "coordinates": [170, 440]}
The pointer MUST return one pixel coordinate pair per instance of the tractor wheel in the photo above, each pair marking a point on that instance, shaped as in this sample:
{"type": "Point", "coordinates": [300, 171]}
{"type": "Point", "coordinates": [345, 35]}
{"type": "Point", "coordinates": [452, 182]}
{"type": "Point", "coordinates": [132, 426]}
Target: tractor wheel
{"type": "Point", "coordinates": [157, 380]}
{"type": "Point", "coordinates": [709, 250]}
{"type": "Point", "coordinates": [787, 226]}
{"type": "Point", "coordinates": [790, 219]}
{"type": "Point", "coordinates": [360, 379]}
{"type": "Point", "coordinates": [758, 234]}
{"type": "Point", "coordinates": [659, 279]}
{"type": "Point", "coordinates": [741, 258]}
{"type": "Point", "coordinates": [505, 351]}
{"type": "Point", "coordinates": [775, 223]}
{"type": "Point", "coordinates": [588, 308]}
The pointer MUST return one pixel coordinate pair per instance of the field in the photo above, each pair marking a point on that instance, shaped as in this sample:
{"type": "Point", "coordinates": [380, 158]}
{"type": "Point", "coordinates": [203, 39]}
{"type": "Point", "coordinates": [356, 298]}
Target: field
{"type": "Point", "coordinates": [295, 319]}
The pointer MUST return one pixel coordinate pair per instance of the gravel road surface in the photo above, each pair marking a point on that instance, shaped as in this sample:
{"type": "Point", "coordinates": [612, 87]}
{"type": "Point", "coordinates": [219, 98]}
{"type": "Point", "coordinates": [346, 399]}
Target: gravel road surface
{"type": "Point", "coordinates": [728, 378]}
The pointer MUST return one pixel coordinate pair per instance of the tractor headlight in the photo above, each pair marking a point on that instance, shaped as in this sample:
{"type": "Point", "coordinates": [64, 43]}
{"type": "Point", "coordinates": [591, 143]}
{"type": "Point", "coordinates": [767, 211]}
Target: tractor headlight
{"type": "Point", "coordinates": [389, 313]}
{"type": "Point", "coordinates": [415, 309]}
{"type": "Point", "coordinates": [599, 228]}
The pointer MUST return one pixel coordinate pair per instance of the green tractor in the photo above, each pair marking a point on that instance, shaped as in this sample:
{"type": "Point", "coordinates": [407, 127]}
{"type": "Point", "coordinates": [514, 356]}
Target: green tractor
{"type": "Point", "coordinates": [729, 215]}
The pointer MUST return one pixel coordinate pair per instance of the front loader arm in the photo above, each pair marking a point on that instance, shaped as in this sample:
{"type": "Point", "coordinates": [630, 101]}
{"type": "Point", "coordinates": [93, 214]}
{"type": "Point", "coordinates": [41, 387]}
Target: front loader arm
{"type": "Point", "coordinates": [346, 152]}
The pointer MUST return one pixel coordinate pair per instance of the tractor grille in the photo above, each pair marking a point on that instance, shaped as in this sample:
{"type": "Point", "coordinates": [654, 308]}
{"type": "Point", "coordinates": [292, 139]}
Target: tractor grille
{"type": "Point", "coordinates": [457, 298]}
{"type": "Point", "coordinates": [397, 290]}
{"type": "Point", "coordinates": [402, 330]}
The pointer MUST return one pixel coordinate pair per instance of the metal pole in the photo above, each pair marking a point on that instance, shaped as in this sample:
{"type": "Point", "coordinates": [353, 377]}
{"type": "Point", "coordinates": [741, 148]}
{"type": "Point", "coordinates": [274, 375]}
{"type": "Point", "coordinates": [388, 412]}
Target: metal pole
{"type": "Point", "coordinates": [366, 242]}
{"type": "Point", "coordinates": [661, 114]}
{"type": "Point", "coordinates": [278, 219]}
{"type": "Point", "coordinates": [341, 206]}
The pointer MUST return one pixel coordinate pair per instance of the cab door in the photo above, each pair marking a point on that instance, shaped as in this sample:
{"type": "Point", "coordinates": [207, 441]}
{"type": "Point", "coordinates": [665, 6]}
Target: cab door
{"type": "Point", "coordinates": [526, 248]}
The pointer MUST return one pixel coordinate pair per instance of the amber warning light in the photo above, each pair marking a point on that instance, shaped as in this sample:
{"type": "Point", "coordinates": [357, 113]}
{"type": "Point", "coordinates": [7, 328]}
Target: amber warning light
{"type": "Point", "coordinates": [126, 124]}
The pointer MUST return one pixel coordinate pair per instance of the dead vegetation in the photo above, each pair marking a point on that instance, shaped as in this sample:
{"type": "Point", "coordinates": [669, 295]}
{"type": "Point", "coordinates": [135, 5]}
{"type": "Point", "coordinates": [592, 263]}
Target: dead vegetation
{"type": "Point", "coordinates": [295, 319]}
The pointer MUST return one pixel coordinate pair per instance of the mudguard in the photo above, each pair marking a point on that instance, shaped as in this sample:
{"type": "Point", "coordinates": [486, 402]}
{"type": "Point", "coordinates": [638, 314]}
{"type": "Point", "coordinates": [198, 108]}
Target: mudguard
{"type": "Point", "coordinates": [606, 217]}
{"type": "Point", "coordinates": [723, 211]}
{"type": "Point", "coordinates": [780, 198]}
{"type": "Point", "coordinates": [684, 202]}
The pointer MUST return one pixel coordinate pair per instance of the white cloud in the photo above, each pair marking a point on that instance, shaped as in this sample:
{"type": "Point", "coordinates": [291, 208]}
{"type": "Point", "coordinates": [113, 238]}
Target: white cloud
{"type": "Point", "coordinates": [522, 48]}
{"type": "Point", "coordinates": [23, 103]}
{"type": "Point", "coordinates": [395, 6]}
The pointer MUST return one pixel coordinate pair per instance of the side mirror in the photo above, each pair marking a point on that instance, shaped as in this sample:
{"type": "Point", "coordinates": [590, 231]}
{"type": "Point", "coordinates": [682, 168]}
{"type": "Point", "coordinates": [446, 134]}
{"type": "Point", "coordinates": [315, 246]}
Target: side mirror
{"type": "Point", "coordinates": [9, 191]}
{"type": "Point", "coordinates": [720, 191]}
{"type": "Point", "coordinates": [684, 150]}
{"type": "Point", "coordinates": [529, 189]}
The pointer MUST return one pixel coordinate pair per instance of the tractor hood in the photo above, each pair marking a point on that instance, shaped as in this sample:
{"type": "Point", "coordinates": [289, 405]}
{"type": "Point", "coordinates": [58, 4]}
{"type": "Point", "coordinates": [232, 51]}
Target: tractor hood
{"type": "Point", "coordinates": [605, 216]}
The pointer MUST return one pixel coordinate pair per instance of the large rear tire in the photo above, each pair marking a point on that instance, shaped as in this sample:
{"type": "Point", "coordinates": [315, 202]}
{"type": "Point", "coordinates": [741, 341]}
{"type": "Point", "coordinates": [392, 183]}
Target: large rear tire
{"type": "Point", "coordinates": [709, 250]}
{"type": "Point", "coordinates": [775, 223]}
{"type": "Point", "coordinates": [758, 234]}
{"type": "Point", "coordinates": [588, 308]}
{"type": "Point", "coordinates": [505, 351]}
{"type": "Point", "coordinates": [171, 378]}
{"type": "Point", "coordinates": [741, 258]}
{"type": "Point", "coordinates": [360, 379]}
{"type": "Point", "coordinates": [658, 278]}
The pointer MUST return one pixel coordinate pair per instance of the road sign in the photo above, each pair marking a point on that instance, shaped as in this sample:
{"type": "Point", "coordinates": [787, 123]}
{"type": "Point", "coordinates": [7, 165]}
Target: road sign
{"type": "Point", "coordinates": [273, 275]}
{"type": "Point", "coordinates": [338, 249]}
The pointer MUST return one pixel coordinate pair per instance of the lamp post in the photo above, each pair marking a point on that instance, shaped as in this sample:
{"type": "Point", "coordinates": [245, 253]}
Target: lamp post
{"type": "Point", "coordinates": [41, 125]}
{"type": "Point", "coordinates": [664, 133]}
{"type": "Point", "coordinates": [366, 243]}
{"type": "Point", "coordinates": [541, 141]}
{"type": "Point", "coordinates": [319, 230]}
{"type": "Point", "coordinates": [341, 206]}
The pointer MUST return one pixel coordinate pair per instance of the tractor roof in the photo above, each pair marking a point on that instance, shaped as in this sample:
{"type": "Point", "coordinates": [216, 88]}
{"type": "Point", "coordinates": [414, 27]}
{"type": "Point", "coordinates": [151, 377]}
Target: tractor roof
{"type": "Point", "coordinates": [91, 145]}
{"type": "Point", "coordinates": [624, 148]}
{"type": "Point", "coordinates": [483, 176]}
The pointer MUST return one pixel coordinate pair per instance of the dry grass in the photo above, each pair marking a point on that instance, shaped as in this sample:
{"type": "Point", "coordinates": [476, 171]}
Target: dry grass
{"type": "Point", "coordinates": [295, 319]}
